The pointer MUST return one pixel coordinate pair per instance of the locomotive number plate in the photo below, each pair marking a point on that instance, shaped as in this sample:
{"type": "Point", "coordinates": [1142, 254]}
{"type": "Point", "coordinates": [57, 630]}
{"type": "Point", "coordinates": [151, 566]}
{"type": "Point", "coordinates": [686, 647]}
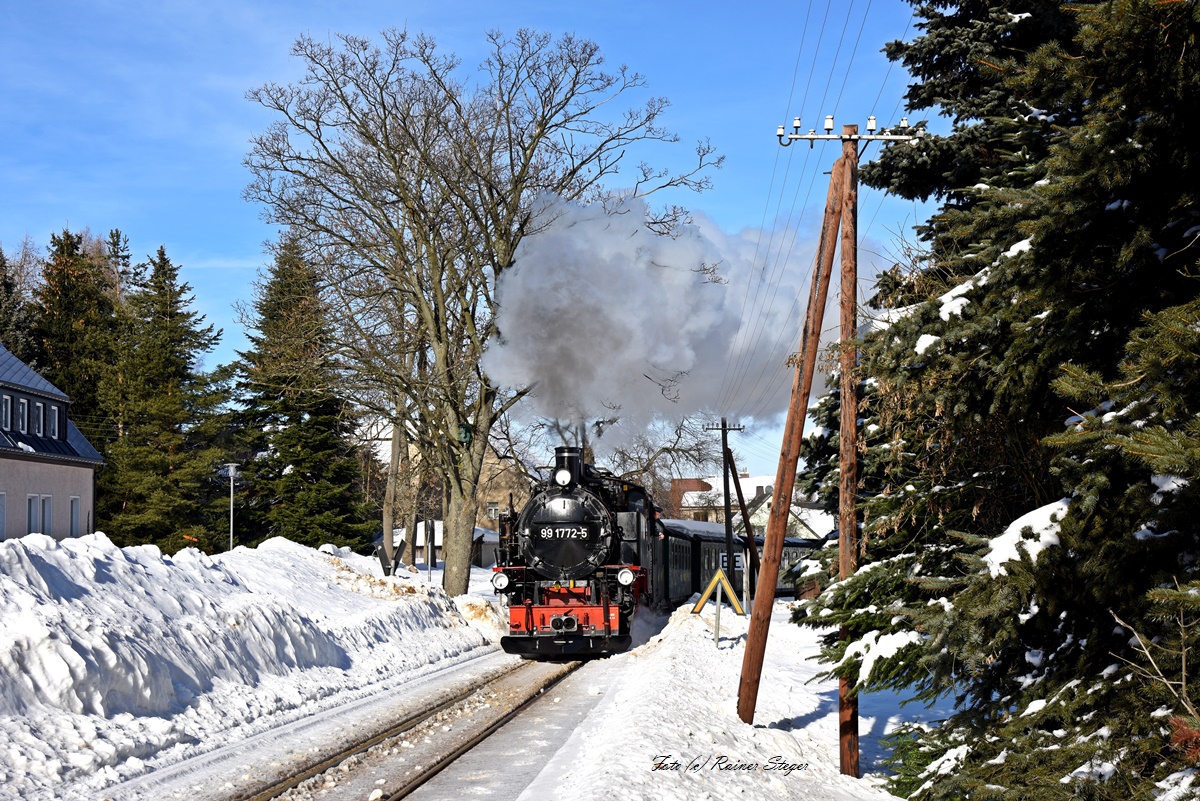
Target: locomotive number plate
{"type": "Point", "coordinates": [564, 532]}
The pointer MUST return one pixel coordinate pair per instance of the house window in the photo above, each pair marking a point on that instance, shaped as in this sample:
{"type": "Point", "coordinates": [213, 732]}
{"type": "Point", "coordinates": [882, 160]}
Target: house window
{"type": "Point", "coordinates": [3, 517]}
{"type": "Point", "coordinates": [493, 510]}
{"type": "Point", "coordinates": [39, 419]}
{"type": "Point", "coordinates": [74, 517]}
{"type": "Point", "coordinates": [6, 412]}
{"type": "Point", "coordinates": [53, 422]}
{"type": "Point", "coordinates": [32, 507]}
{"type": "Point", "coordinates": [47, 517]}
{"type": "Point", "coordinates": [22, 415]}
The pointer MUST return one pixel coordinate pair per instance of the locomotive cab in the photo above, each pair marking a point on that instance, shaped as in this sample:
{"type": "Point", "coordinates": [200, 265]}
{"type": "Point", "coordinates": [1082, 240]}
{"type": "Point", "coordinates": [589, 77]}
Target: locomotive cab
{"type": "Point", "coordinates": [570, 562]}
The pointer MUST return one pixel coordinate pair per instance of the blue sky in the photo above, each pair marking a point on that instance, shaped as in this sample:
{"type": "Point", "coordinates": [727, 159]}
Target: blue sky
{"type": "Point", "coordinates": [132, 115]}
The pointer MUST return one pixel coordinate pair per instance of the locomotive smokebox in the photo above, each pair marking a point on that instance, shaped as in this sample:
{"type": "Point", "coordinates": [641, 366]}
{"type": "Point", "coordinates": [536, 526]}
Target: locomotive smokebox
{"type": "Point", "coordinates": [566, 530]}
{"type": "Point", "coordinates": [568, 465]}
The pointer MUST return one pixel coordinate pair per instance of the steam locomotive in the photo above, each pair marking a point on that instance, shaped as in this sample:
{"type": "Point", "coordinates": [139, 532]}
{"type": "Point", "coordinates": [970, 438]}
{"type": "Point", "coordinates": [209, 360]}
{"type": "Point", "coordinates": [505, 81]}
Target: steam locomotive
{"type": "Point", "coordinates": [574, 562]}
{"type": "Point", "coordinates": [586, 549]}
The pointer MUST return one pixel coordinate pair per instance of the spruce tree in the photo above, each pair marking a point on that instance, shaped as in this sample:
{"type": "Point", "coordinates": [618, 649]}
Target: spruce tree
{"type": "Point", "coordinates": [303, 476]}
{"type": "Point", "coordinates": [164, 465]}
{"type": "Point", "coordinates": [1061, 282]}
{"type": "Point", "coordinates": [74, 329]}
{"type": "Point", "coordinates": [114, 390]}
{"type": "Point", "coordinates": [16, 315]}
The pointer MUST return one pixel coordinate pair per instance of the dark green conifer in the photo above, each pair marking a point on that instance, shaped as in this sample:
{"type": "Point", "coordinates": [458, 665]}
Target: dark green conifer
{"type": "Point", "coordinates": [16, 315]}
{"type": "Point", "coordinates": [303, 476]}
{"type": "Point", "coordinates": [164, 466]}
{"type": "Point", "coordinates": [73, 331]}
{"type": "Point", "coordinates": [1074, 255]}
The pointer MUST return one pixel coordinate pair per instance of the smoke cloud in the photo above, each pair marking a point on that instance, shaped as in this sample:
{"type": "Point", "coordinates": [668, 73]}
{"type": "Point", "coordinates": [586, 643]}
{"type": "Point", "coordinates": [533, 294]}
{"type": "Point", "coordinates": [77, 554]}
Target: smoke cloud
{"type": "Point", "coordinates": [604, 317]}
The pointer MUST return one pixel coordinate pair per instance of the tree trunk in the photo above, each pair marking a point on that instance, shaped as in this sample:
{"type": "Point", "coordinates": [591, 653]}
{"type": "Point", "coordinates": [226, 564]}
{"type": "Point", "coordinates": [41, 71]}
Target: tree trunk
{"type": "Point", "coordinates": [409, 490]}
{"type": "Point", "coordinates": [461, 510]}
{"type": "Point", "coordinates": [457, 539]}
{"type": "Point", "coordinates": [389, 496]}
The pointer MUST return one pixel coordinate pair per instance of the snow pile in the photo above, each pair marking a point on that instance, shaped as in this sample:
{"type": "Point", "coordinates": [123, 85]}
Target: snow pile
{"type": "Point", "coordinates": [112, 659]}
{"type": "Point", "coordinates": [1043, 523]}
{"type": "Point", "coordinates": [668, 726]}
{"type": "Point", "coordinates": [117, 662]}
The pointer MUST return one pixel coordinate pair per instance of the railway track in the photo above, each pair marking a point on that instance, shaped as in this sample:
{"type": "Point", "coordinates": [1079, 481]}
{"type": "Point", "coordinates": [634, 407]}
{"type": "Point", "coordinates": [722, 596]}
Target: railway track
{"type": "Point", "coordinates": [392, 764]}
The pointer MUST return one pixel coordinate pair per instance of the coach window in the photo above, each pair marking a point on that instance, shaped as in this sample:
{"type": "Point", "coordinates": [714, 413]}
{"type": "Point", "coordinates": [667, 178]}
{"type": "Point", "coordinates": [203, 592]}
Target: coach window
{"type": "Point", "coordinates": [53, 421]}
{"type": "Point", "coordinates": [6, 412]}
{"type": "Point", "coordinates": [22, 415]}
{"type": "Point", "coordinates": [39, 419]}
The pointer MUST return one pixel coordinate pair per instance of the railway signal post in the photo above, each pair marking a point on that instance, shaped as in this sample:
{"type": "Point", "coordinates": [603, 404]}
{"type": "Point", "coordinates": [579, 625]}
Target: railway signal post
{"type": "Point", "coordinates": [841, 210]}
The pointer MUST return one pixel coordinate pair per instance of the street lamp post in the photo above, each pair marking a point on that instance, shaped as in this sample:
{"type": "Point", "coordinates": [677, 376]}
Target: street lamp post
{"type": "Point", "coordinates": [232, 468]}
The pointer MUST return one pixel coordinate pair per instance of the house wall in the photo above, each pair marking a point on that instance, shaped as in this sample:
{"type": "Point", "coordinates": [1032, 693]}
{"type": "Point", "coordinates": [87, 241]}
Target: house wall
{"type": "Point", "coordinates": [679, 486]}
{"type": "Point", "coordinates": [497, 481]}
{"type": "Point", "coordinates": [56, 483]}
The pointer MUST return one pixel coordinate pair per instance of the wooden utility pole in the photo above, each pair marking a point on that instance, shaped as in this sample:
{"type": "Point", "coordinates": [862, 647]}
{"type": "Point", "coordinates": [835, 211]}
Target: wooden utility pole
{"type": "Point", "coordinates": [841, 209]}
{"type": "Point", "coordinates": [848, 435]}
{"type": "Point", "coordinates": [747, 529]}
{"type": "Point", "coordinates": [793, 432]}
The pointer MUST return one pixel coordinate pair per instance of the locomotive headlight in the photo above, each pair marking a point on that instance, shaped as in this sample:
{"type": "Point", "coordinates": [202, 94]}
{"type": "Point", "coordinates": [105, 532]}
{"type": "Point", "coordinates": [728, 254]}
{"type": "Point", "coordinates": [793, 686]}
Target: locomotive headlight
{"type": "Point", "coordinates": [562, 477]}
{"type": "Point", "coordinates": [500, 580]}
{"type": "Point", "coordinates": [624, 577]}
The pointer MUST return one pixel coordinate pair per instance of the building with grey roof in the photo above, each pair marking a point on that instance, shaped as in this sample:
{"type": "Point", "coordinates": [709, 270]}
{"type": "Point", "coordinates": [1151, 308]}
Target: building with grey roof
{"type": "Point", "coordinates": [47, 468]}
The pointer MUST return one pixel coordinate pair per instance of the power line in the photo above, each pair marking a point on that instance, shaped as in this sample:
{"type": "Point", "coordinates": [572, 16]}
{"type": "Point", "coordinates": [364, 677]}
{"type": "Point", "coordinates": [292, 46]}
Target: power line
{"type": "Point", "coordinates": [760, 302]}
{"type": "Point", "coordinates": [727, 389]}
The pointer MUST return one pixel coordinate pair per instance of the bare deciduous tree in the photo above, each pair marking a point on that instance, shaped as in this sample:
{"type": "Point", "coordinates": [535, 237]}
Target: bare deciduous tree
{"type": "Point", "coordinates": [400, 169]}
{"type": "Point", "coordinates": [666, 451]}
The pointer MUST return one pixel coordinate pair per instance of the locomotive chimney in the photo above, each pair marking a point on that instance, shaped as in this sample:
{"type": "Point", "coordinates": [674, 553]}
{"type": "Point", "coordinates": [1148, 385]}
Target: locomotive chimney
{"type": "Point", "coordinates": [568, 465]}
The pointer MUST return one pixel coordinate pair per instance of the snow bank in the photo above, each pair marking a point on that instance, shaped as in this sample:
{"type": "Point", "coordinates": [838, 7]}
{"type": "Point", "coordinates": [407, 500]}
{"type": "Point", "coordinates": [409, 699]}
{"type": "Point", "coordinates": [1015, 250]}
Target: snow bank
{"type": "Point", "coordinates": [110, 657]}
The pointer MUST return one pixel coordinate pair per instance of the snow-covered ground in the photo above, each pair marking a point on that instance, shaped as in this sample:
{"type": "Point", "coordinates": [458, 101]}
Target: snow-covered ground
{"type": "Point", "coordinates": [114, 662]}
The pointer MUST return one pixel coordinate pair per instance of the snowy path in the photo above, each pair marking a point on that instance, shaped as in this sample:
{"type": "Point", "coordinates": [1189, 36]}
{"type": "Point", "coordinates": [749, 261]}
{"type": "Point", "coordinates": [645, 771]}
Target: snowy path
{"type": "Point", "coordinates": [671, 705]}
{"type": "Point", "coordinates": [501, 767]}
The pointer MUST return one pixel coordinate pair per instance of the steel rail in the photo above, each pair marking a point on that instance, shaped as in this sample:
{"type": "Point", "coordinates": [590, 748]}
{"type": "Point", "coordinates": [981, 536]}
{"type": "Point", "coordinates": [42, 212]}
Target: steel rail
{"type": "Point", "coordinates": [412, 785]}
{"type": "Point", "coordinates": [408, 723]}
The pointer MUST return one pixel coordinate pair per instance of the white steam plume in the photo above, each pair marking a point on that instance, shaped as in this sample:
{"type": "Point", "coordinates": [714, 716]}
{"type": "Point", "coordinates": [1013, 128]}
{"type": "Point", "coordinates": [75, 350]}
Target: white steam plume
{"type": "Point", "coordinates": [600, 313]}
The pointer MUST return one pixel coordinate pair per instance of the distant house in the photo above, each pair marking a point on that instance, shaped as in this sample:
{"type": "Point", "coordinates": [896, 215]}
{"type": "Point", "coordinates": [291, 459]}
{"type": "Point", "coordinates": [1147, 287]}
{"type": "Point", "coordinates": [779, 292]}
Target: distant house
{"type": "Point", "coordinates": [483, 545]}
{"type": "Point", "coordinates": [703, 499]}
{"type": "Point", "coordinates": [47, 468]}
{"type": "Point", "coordinates": [499, 483]}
